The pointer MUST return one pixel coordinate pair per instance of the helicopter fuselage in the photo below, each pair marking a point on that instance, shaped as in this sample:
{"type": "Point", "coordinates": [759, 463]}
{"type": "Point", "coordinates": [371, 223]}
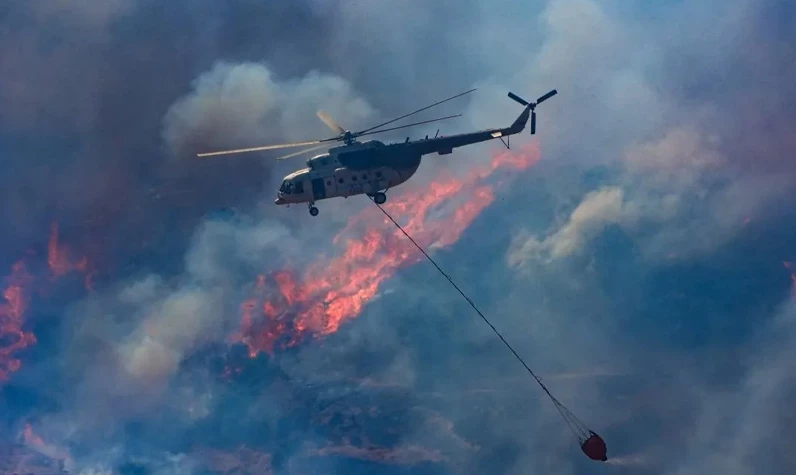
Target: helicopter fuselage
{"type": "Point", "coordinates": [371, 167]}
{"type": "Point", "coordinates": [360, 168]}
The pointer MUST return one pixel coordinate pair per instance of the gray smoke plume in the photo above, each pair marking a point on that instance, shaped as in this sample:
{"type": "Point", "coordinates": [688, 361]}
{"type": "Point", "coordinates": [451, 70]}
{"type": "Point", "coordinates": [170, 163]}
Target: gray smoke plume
{"type": "Point", "coordinates": [644, 252]}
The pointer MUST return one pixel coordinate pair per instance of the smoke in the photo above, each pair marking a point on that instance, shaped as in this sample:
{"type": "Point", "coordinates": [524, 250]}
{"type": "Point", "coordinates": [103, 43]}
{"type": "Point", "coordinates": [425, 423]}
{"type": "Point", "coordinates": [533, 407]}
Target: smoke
{"type": "Point", "coordinates": [676, 196]}
{"type": "Point", "coordinates": [741, 430]}
{"type": "Point", "coordinates": [597, 210]}
{"type": "Point", "coordinates": [240, 105]}
{"type": "Point", "coordinates": [659, 209]}
{"type": "Point", "coordinates": [87, 15]}
{"type": "Point", "coordinates": [689, 179]}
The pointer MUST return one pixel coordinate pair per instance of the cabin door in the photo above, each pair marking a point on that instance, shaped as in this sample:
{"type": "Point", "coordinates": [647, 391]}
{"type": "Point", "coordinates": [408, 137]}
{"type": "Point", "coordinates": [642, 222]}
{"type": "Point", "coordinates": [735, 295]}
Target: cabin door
{"type": "Point", "coordinates": [318, 189]}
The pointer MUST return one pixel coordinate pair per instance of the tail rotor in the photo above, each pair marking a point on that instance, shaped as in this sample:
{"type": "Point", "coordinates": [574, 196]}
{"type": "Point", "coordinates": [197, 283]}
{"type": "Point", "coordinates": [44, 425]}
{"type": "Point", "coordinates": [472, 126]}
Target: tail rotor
{"type": "Point", "coordinates": [532, 105]}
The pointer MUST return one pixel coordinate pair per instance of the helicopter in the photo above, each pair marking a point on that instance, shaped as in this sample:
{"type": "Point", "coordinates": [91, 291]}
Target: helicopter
{"type": "Point", "coordinates": [373, 167]}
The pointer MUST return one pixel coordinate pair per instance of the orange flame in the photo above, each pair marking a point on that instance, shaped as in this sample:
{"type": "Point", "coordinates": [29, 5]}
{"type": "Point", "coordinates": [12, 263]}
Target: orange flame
{"type": "Point", "coordinates": [331, 292]}
{"type": "Point", "coordinates": [61, 262]}
{"type": "Point", "coordinates": [17, 299]}
{"type": "Point", "coordinates": [32, 440]}
{"type": "Point", "coordinates": [58, 257]}
{"type": "Point", "coordinates": [12, 317]}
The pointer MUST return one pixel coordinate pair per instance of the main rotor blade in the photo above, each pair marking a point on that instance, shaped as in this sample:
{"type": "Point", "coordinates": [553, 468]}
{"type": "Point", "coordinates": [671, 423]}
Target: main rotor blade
{"type": "Point", "coordinates": [266, 147]}
{"type": "Point", "coordinates": [330, 122]}
{"type": "Point", "coordinates": [300, 152]}
{"type": "Point", "coordinates": [410, 125]}
{"type": "Point", "coordinates": [363, 132]}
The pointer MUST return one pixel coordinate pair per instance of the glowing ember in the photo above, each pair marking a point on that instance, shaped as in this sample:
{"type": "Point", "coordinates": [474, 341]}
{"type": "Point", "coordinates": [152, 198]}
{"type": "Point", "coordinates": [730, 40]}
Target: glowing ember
{"type": "Point", "coordinates": [12, 317]}
{"type": "Point", "coordinates": [331, 292]}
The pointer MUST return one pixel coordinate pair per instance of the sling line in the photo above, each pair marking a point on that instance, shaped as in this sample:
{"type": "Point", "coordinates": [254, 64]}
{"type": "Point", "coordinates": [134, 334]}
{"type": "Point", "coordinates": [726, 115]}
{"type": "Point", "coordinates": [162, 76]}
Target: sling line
{"type": "Point", "coordinates": [577, 427]}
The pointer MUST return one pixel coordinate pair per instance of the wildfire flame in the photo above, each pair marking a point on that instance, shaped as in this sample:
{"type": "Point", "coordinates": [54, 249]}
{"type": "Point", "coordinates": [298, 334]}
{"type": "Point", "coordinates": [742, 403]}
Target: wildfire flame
{"type": "Point", "coordinates": [32, 440]}
{"type": "Point", "coordinates": [60, 261]}
{"type": "Point", "coordinates": [331, 292]}
{"type": "Point", "coordinates": [12, 317]}
{"type": "Point", "coordinates": [17, 295]}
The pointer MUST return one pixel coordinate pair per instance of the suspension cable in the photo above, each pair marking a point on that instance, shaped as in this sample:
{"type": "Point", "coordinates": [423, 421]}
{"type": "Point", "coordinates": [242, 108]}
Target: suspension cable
{"type": "Point", "coordinates": [575, 425]}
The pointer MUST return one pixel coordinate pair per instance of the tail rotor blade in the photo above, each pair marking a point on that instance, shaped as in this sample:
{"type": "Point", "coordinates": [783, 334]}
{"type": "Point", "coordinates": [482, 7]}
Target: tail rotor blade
{"type": "Point", "coordinates": [546, 96]}
{"type": "Point", "coordinates": [533, 123]}
{"type": "Point", "coordinates": [518, 99]}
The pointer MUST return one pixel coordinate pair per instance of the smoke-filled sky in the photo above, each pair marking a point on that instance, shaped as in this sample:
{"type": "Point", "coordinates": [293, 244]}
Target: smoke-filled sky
{"type": "Point", "coordinates": [639, 251]}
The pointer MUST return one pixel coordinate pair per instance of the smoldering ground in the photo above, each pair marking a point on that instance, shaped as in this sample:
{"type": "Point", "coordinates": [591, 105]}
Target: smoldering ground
{"type": "Point", "coordinates": [652, 236]}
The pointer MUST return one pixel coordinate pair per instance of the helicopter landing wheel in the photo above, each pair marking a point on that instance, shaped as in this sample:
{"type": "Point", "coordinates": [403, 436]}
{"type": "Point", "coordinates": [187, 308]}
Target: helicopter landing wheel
{"type": "Point", "coordinates": [313, 211]}
{"type": "Point", "coordinates": [380, 198]}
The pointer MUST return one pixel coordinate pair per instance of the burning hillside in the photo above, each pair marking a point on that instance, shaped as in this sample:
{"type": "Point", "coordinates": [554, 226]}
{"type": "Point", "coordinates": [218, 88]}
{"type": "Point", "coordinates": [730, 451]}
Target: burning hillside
{"type": "Point", "coordinates": [318, 300]}
{"type": "Point", "coordinates": [288, 306]}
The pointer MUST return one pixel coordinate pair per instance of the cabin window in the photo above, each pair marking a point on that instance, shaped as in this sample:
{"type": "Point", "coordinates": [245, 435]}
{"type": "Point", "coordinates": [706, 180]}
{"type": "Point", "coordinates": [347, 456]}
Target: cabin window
{"type": "Point", "coordinates": [328, 182]}
{"type": "Point", "coordinates": [378, 174]}
{"type": "Point", "coordinates": [364, 176]}
{"type": "Point", "coordinates": [299, 187]}
{"type": "Point", "coordinates": [323, 162]}
{"type": "Point", "coordinates": [340, 180]}
{"type": "Point", "coordinates": [283, 188]}
{"type": "Point", "coordinates": [353, 178]}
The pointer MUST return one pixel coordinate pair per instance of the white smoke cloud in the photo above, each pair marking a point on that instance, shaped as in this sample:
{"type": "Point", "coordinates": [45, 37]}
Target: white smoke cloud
{"type": "Point", "coordinates": [130, 341]}
{"type": "Point", "coordinates": [598, 210]}
{"type": "Point", "coordinates": [241, 105]}
{"type": "Point", "coordinates": [676, 197]}
{"type": "Point", "coordinates": [741, 432]}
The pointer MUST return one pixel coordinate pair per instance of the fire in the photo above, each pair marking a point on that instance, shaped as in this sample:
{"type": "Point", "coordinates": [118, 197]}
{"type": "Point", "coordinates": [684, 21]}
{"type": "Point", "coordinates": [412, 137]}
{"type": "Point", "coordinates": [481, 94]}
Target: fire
{"type": "Point", "coordinates": [17, 294]}
{"type": "Point", "coordinates": [32, 440]}
{"type": "Point", "coordinates": [61, 262]}
{"type": "Point", "coordinates": [333, 291]}
{"type": "Point", "coordinates": [12, 317]}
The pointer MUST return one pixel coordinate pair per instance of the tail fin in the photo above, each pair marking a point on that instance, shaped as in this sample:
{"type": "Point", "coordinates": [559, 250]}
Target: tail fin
{"type": "Point", "coordinates": [530, 108]}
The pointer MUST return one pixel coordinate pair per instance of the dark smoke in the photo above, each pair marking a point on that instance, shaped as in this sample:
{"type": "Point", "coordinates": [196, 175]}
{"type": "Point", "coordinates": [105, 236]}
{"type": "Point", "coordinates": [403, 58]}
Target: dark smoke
{"type": "Point", "coordinates": [639, 266]}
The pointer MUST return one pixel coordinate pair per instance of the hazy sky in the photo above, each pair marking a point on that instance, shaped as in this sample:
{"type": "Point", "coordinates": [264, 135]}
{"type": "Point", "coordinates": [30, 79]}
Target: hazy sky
{"type": "Point", "coordinates": [637, 255]}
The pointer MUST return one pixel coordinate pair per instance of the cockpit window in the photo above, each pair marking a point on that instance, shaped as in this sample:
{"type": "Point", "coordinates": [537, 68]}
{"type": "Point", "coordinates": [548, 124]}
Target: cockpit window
{"type": "Point", "coordinates": [292, 187]}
